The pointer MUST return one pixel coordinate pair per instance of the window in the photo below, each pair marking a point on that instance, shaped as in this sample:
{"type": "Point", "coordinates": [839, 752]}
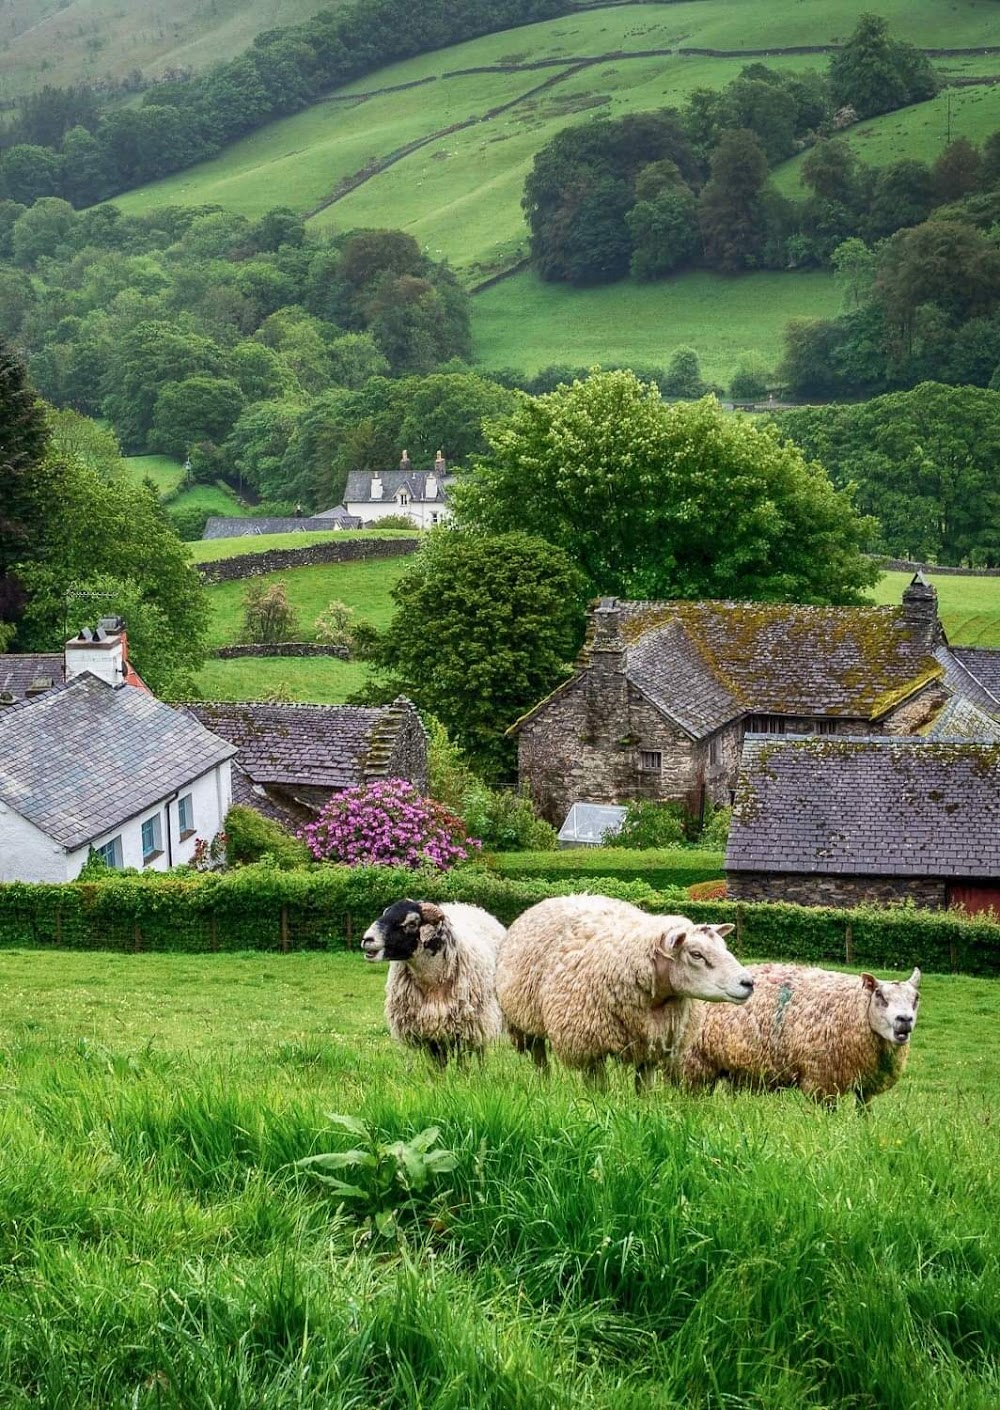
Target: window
{"type": "Point", "coordinates": [404, 498]}
{"type": "Point", "coordinates": [111, 852]}
{"type": "Point", "coordinates": [766, 724]}
{"type": "Point", "coordinates": [650, 760]}
{"type": "Point", "coordinates": [715, 750]}
{"type": "Point", "coordinates": [152, 838]}
{"type": "Point", "coordinates": [826, 726]}
{"type": "Point", "coordinates": [185, 816]}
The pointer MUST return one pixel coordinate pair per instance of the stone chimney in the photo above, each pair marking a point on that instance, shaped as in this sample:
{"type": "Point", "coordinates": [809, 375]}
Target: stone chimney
{"type": "Point", "coordinates": [376, 487]}
{"type": "Point", "coordinates": [607, 687]}
{"type": "Point", "coordinates": [920, 607]}
{"type": "Point", "coordinates": [101, 651]}
{"type": "Point", "coordinates": [440, 464]}
{"type": "Point", "coordinates": [406, 464]}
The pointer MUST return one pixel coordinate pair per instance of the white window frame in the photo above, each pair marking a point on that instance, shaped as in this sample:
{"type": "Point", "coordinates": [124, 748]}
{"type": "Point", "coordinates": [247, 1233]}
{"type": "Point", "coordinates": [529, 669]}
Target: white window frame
{"type": "Point", "coordinates": [185, 816]}
{"type": "Point", "coordinates": [155, 822]}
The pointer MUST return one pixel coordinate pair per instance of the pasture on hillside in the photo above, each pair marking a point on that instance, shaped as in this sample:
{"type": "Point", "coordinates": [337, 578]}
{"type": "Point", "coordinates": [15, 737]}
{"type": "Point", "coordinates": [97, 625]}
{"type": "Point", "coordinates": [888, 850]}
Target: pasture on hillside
{"type": "Point", "coordinates": [459, 191]}
{"type": "Point", "coordinates": [164, 1251]}
{"type": "Point", "coordinates": [81, 41]}
{"type": "Point", "coordinates": [969, 607]}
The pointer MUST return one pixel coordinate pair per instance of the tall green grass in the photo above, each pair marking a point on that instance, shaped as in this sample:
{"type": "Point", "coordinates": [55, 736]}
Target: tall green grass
{"type": "Point", "coordinates": [969, 608]}
{"type": "Point", "coordinates": [159, 1246]}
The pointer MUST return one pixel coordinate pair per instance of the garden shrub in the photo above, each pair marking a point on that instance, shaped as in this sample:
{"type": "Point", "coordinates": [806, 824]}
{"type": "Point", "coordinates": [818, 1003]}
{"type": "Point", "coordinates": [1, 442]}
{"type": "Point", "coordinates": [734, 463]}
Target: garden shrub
{"type": "Point", "coordinates": [503, 821]}
{"type": "Point", "coordinates": [388, 823]}
{"type": "Point", "coordinates": [648, 824]}
{"type": "Point", "coordinates": [715, 832]}
{"type": "Point", "coordinates": [250, 836]}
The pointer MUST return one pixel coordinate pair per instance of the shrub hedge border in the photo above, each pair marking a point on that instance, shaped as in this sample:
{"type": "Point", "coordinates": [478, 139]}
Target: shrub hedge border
{"type": "Point", "coordinates": [329, 907]}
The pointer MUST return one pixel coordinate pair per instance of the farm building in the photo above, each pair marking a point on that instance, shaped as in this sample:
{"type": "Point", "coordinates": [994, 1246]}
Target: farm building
{"type": "Point", "coordinates": [664, 693]}
{"type": "Point", "coordinates": [292, 758]}
{"type": "Point", "coordinates": [219, 526]}
{"type": "Point", "coordinates": [420, 495]}
{"type": "Point", "coordinates": [838, 821]}
{"type": "Point", "coordinates": [99, 764]}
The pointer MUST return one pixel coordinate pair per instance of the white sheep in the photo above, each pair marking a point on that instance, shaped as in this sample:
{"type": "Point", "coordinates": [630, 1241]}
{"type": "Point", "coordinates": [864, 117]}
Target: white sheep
{"type": "Point", "coordinates": [599, 978]}
{"type": "Point", "coordinates": [440, 994]}
{"type": "Point", "coordinates": [826, 1033]}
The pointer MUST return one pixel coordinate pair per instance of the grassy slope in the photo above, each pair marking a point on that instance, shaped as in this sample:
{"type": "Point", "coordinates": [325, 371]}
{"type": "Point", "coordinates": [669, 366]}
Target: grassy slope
{"type": "Point", "coordinates": [165, 472]}
{"type": "Point", "coordinates": [74, 41]}
{"type": "Point", "coordinates": [522, 322]}
{"type": "Point", "coordinates": [969, 607]}
{"type": "Point", "coordinates": [211, 550]}
{"type": "Point", "coordinates": [595, 1252]}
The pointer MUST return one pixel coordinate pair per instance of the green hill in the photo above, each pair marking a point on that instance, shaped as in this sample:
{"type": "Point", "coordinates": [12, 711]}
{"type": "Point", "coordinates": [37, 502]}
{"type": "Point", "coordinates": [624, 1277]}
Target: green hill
{"type": "Point", "coordinates": [90, 41]}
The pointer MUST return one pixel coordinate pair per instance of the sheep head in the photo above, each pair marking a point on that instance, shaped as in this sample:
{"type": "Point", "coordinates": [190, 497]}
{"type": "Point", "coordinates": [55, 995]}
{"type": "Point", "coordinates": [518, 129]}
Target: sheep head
{"type": "Point", "coordinates": [892, 1007]}
{"type": "Point", "coordinates": [693, 962]}
{"type": "Point", "coordinates": [402, 929]}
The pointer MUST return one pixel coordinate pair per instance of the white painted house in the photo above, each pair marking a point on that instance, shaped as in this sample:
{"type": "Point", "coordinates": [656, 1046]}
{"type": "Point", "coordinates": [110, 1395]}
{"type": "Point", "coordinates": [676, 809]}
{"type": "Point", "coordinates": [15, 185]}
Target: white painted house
{"type": "Point", "coordinates": [99, 763]}
{"type": "Point", "coordinates": [420, 495]}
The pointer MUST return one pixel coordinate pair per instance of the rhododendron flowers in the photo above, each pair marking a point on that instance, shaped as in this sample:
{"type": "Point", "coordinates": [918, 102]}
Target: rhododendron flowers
{"type": "Point", "coordinates": [388, 824]}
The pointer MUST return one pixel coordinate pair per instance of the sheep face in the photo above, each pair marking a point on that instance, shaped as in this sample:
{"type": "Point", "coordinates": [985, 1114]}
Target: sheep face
{"type": "Point", "coordinates": [696, 963]}
{"type": "Point", "coordinates": [402, 929]}
{"type": "Point", "coordinates": [892, 1008]}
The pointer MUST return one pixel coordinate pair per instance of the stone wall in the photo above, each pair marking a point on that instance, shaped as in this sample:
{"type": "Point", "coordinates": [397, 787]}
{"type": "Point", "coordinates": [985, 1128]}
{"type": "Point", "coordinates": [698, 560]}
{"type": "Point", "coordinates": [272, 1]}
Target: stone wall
{"type": "Point", "coordinates": [808, 889]}
{"type": "Point", "coordinates": [277, 560]}
{"type": "Point", "coordinates": [281, 648]}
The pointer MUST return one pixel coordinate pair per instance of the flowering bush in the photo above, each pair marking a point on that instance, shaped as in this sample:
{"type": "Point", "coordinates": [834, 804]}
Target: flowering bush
{"type": "Point", "coordinates": [387, 824]}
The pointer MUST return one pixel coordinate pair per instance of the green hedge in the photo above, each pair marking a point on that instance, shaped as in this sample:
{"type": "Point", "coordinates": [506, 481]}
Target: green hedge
{"type": "Point", "coordinates": [329, 907]}
{"type": "Point", "coordinates": [661, 868]}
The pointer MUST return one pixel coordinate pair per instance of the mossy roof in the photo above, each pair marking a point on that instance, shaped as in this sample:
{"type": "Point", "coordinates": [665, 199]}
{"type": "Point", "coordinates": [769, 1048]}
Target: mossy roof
{"type": "Point", "coordinates": [705, 663]}
{"type": "Point", "coordinates": [867, 807]}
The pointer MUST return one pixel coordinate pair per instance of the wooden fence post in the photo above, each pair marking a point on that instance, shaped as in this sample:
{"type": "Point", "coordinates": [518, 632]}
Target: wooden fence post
{"type": "Point", "coordinates": [136, 938]}
{"type": "Point", "coordinates": [848, 944]}
{"type": "Point", "coordinates": [349, 930]}
{"type": "Point", "coordinates": [284, 930]}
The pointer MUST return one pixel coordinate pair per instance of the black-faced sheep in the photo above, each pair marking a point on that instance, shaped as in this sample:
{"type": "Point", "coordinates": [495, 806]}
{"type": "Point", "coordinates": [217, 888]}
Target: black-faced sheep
{"type": "Point", "coordinates": [599, 978]}
{"type": "Point", "coordinates": [440, 994]}
{"type": "Point", "coordinates": [826, 1033]}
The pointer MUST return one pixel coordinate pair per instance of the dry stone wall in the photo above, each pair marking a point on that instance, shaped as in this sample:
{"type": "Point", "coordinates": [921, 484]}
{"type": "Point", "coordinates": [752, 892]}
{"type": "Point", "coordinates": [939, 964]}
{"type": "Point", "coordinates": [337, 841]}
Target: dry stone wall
{"type": "Point", "coordinates": [278, 560]}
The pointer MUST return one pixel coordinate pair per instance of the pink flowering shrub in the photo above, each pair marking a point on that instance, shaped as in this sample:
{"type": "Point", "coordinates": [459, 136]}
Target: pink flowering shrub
{"type": "Point", "coordinates": [387, 824]}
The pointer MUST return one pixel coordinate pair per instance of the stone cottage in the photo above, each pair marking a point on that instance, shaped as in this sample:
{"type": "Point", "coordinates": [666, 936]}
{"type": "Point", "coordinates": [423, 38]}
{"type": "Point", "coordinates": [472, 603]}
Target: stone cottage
{"type": "Point", "coordinates": [837, 821]}
{"type": "Point", "coordinates": [664, 693]}
{"type": "Point", "coordinates": [292, 758]}
{"type": "Point", "coordinates": [418, 495]}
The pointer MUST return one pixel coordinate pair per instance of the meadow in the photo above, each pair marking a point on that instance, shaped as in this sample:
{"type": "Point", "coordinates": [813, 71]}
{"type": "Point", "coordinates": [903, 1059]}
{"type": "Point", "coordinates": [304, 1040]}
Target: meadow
{"type": "Point", "coordinates": [969, 608]}
{"type": "Point", "coordinates": [163, 1251]}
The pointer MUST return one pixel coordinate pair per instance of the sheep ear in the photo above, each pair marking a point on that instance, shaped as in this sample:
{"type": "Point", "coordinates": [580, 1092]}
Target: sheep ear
{"type": "Point", "coordinates": [869, 982]}
{"type": "Point", "coordinates": [915, 979]}
{"type": "Point", "coordinates": [723, 930]}
{"type": "Point", "coordinates": [430, 914]}
{"type": "Point", "coordinates": [670, 942]}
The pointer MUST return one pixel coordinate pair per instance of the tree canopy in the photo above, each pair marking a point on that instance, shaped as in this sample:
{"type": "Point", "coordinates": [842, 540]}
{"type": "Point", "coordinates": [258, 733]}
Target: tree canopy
{"type": "Point", "coordinates": [667, 501]}
{"type": "Point", "coordinates": [485, 626]}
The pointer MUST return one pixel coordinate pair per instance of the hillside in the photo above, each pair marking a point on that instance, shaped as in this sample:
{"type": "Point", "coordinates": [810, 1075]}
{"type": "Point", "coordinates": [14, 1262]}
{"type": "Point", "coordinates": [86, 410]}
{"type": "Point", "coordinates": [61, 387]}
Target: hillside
{"type": "Point", "coordinates": [93, 41]}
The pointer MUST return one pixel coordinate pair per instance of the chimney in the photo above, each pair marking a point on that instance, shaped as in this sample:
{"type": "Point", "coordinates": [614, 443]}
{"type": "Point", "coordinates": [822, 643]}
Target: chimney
{"type": "Point", "coordinates": [440, 465]}
{"type": "Point", "coordinates": [376, 487]}
{"type": "Point", "coordinates": [920, 606]}
{"type": "Point", "coordinates": [606, 684]}
{"type": "Point", "coordinates": [102, 652]}
{"type": "Point", "coordinates": [405, 464]}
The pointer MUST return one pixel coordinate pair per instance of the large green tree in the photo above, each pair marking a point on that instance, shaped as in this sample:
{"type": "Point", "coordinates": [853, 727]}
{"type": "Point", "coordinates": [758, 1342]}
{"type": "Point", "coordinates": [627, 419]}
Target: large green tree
{"type": "Point", "coordinates": [484, 626]}
{"type": "Point", "coordinates": [875, 74]}
{"type": "Point", "coordinates": [29, 483]}
{"type": "Point", "coordinates": [924, 463]}
{"type": "Point", "coordinates": [668, 501]}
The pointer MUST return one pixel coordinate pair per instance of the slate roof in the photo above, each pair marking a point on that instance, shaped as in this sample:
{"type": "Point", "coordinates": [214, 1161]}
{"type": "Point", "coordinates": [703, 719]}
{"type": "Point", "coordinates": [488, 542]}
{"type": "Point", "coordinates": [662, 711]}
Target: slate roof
{"type": "Point", "coordinates": [85, 758]}
{"type": "Point", "coordinates": [220, 527]}
{"type": "Point", "coordinates": [888, 806]}
{"type": "Point", "coordinates": [359, 486]}
{"type": "Point", "coordinates": [324, 746]}
{"type": "Point", "coordinates": [983, 665]}
{"type": "Point", "coordinates": [961, 719]}
{"type": "Point", "coordinates": [18, 672]}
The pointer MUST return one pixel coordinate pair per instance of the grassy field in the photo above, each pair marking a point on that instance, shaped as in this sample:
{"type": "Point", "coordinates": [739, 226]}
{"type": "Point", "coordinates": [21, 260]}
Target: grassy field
{"type": "Point", "coordinates": [211, 550]}
{"type": "Point", "coordinates": [165, 472]}
{"type": "Point", "coordinates": [522, 322]}
{"type": "Point", "coordinates": [317, 680]}
{"type": "Point", "coordinates": [460, 192]}
{"type": "Point", "coordinates": [162, 1250]}
{"type": "Point", "coordinates": [80, 41]}
{"type": "Point", "coordinates": [919, 132]}
{"type": "Point", "coordinates": [969, 607]}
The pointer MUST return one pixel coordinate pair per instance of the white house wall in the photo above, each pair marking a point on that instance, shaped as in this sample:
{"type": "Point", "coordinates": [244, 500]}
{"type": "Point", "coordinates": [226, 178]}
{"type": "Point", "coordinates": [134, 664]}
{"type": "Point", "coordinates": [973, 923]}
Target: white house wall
{"type": "Point", "coordinates": [27, 854]}
{"type": "Point", "coordinates": [423, 515]}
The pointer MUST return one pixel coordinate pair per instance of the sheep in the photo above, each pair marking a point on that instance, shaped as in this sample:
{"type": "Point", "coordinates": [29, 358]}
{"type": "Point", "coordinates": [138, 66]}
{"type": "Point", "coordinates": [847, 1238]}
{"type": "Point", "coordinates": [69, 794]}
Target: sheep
{"type": "Point", "coordinates": [826, 1033]}
{"type": "Point", "coordinates": [440, 994]}
{"type": "Point", "coordinates": [599, 978]}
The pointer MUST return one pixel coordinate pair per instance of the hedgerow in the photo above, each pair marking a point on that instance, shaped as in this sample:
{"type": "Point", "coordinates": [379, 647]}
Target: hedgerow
{"type": "Point", "coordinates": [328, 907]}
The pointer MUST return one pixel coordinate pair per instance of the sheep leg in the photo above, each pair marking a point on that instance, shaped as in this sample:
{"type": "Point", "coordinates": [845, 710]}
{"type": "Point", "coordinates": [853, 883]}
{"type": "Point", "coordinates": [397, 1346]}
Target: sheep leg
{"type": "Point", "coordinates": [438, 1052]}
{"type": "Point", "coordinates": [534, 1045]}
{"type": "Point", "coordinates": [595, 1074]}
{"type": "Point", "coordinates": [643, 1077]}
